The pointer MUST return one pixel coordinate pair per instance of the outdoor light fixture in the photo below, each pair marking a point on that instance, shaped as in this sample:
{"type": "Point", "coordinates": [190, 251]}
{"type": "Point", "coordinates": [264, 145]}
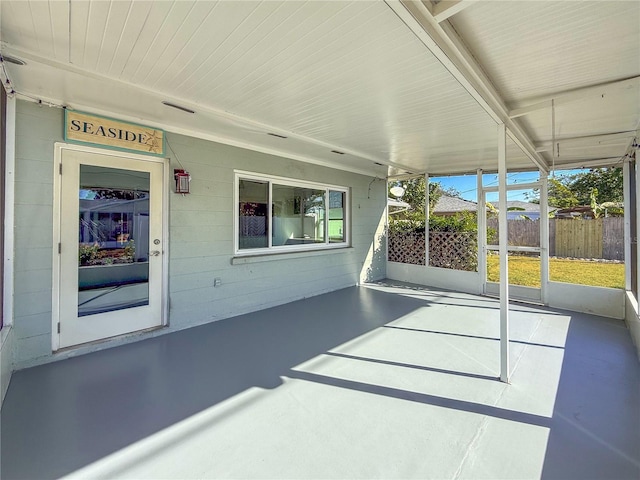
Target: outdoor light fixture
{"type": "Point", "coordinates": [182, 180]}
{"type": "Point", "coordinates": [397, 191]}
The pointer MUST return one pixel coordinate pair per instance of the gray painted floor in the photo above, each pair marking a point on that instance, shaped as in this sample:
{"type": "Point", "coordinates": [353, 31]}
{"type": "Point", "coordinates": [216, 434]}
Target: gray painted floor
{"type": "Point", "coordinates": [379, 381]}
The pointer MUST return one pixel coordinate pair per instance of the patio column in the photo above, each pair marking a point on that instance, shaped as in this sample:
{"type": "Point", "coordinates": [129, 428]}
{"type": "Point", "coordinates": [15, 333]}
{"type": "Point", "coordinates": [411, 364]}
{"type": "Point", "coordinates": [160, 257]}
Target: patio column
{"type": "Point", "coordinates": [635, 233]}
{"type": "Point", "coordinates": [504, 266]}
{"type": "Point", "coordinates": [628, 235]}
{"type": "Point", "coordinates": [481, 215]}
{"type": "Point", "coordinates": [9, 217]}
{"type": "Point", "coordinates": [544, 237]}
{"type": "Point", "coordinates": [426, 219]}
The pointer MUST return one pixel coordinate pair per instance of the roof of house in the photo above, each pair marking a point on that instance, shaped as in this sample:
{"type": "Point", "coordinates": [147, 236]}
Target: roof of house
{"type": "Point", "coordinates": [523, 206]}
{"type": "Point", "coordinates": [450, 204]}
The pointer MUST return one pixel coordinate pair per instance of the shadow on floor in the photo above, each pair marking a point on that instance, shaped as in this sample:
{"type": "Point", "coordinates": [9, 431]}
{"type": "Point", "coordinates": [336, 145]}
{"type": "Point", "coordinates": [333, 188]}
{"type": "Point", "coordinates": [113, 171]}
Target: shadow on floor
{"type": "Point", "coordinates": [595, 428]}
{"type": "Point", "coordinates": [59, 417]}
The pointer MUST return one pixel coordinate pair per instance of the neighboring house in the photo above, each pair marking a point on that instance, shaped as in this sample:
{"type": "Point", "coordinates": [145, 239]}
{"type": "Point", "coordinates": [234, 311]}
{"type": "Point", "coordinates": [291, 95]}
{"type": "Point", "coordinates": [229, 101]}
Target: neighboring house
{"type": "Point", "coordinates": [448, 205]}
{"type": "Point", "coordinates": [397, 206]}
{"type": "Point", "coordinates": [608, 209]}
{"type": "Point", "coordinates": [516, 209]}
{"type": "Point", "coordinates": [583, 211]}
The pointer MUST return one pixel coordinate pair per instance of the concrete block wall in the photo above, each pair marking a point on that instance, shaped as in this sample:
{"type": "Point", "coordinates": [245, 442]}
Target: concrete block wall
{"type": "Point", "coordinates": [200, 235]}
{"type": "Point", "coordinates": [6, 359]}
{"type": "Point", "coordinates": [37, 130]}
{"type": "Point", "coordinates": [632, 319]}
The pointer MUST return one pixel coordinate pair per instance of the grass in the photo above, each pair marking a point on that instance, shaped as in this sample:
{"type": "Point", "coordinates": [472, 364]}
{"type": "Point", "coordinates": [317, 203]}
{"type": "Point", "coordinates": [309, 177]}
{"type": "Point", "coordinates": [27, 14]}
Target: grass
{"type": "Point", "coordinates": [526, 271]}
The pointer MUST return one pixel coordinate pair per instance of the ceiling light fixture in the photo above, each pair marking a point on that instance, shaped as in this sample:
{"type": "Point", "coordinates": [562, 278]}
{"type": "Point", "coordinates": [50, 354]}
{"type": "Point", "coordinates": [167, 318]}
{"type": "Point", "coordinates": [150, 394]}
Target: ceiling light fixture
{"type": "Point", "coordinates": [173, 105]}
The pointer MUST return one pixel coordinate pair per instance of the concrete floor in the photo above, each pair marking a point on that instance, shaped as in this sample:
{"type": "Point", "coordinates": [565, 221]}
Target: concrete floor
{"type": "Point", "coordinates": [381, 381]}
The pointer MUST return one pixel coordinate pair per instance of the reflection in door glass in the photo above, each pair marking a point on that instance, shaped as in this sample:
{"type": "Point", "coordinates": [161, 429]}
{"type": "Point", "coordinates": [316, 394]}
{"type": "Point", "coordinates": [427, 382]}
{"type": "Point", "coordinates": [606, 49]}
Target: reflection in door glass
{"type": "Point", "coordinates": [113, 250]}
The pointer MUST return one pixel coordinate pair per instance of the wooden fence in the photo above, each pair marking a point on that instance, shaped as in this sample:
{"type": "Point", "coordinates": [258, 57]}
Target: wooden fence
{"type": "Point", "coordinates": [574, 238]}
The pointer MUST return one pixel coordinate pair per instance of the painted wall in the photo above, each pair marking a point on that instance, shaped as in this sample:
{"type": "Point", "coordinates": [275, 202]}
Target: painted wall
{"type": "Point", "coordinates": [6, 359]}
{"type": "Point", "coordinates": [606, 302]}
{"type": "Point", "coordinates": [458, 280]}
{"type": "Point", "coordinates": [632, 320]}
{"type": "Point", "coordinates": [200, 235]}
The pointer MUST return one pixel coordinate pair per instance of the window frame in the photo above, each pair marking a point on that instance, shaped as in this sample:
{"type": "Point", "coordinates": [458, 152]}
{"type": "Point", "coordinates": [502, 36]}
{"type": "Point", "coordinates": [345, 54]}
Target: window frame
{"type": "Point", "coordinates": [290, 182]}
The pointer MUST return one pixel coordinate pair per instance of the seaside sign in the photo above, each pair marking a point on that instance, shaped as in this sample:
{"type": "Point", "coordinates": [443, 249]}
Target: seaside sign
{"type": "Point", "coordinates": [89, 129]}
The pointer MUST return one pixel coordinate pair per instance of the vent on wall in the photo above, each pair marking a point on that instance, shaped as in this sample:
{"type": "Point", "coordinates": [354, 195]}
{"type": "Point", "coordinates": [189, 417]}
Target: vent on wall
{"type": "Point", "coordinates": [276, 135]}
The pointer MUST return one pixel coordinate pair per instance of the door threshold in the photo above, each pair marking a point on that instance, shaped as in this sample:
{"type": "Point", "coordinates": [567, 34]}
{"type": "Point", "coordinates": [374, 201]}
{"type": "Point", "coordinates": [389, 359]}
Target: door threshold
{"type": "Point", "coordinates": [109, 342]}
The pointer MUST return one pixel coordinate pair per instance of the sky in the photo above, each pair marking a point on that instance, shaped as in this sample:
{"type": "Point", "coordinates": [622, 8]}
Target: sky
{"type": "Point", "coordinates": [467, 185]}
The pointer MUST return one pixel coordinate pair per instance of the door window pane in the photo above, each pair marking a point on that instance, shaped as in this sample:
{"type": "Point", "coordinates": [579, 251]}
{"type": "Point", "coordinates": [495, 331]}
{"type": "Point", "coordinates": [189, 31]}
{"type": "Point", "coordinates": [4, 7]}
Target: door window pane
{"type": "Point", "coordinates": [113, 250]}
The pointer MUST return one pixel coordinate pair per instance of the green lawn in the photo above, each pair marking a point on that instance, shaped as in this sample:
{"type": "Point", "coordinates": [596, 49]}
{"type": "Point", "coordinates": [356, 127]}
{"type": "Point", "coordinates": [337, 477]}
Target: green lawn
{"type": "Point", "coordinates": [526, 271]}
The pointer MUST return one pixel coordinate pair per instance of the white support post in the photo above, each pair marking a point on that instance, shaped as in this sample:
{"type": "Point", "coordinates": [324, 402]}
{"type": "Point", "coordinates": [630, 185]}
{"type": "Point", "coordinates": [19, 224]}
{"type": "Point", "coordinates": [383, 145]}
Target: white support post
{"type": "Point", "coordinates": [504, 260]}
{"type": "Point", "coordinates": [626, 194]}
{"type": "Point", "coordinates": [386, 227]}
{"type": "Point", "coordinates": [482, 234]}
{"type": "Point", "coordinates": [426, 219]}
{"type": "Point", "coordinates": [637, 231]}
{"type": "Point", "coordinates": [9, 201]}
{"type": "Point", "coordinates": [544, 238]}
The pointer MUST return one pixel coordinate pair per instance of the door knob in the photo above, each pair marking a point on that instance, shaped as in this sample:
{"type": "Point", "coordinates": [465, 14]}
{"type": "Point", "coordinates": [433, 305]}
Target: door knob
{"type": "Point", "coordinates": [154, 253]}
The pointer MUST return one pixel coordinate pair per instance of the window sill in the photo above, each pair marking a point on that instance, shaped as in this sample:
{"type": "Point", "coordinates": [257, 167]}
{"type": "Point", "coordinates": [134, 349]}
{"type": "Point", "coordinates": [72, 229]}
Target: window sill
{"type": "Point", "coordinates": [271, 256]}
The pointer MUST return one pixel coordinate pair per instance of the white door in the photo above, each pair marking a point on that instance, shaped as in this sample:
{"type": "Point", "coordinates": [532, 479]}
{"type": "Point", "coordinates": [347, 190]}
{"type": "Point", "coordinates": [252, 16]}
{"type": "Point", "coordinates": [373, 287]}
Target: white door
{"type": "Point", "coordinates": [524, 251]}
{"type": "Point", "coordinates": [111, 246]}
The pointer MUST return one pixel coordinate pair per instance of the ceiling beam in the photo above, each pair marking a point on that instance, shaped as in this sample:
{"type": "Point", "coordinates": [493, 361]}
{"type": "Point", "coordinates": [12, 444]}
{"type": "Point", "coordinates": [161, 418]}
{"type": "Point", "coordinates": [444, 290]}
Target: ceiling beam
{"type": "Point", "coordinates": [448, 8]}
{"type": "Point", "coordinates": [445, 44]}
{"type": "Point", "coordinates": [600, 89]}
{"type": "Point", "coordinates": [591, 163]}
{"type": "Point", "coordinates": [606, 139]}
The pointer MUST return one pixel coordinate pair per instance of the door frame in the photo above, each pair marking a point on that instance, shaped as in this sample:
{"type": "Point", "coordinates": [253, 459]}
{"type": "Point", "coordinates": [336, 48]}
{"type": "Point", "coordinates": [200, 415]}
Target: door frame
{"type": "Point", "coordinates": [538, 295]}
{"type": "Point", "coordinates": [60, 147]}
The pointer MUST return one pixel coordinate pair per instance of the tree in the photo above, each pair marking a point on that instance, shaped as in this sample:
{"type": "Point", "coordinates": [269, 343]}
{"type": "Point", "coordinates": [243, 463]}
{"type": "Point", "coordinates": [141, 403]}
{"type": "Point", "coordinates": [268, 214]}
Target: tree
{"type": "Point", "coordinates": [605, 183]}
{"type": "Point", "coordinates": [451, 192]}
{"type": "Point", "coordinates": [414, 195]}
{"type": "Point", "coordinates": [559, 193]}
{"type": "Point", "coordinates": [601, 185]}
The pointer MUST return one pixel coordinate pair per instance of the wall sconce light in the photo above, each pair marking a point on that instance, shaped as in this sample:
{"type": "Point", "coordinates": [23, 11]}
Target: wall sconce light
{"type": "Point", "coordinates": [182, 180]}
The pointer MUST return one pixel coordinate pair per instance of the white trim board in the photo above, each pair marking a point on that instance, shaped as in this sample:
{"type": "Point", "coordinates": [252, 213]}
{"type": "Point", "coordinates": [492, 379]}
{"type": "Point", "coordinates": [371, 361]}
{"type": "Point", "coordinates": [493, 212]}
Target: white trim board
{"type": "Point", "coordinates": [9, 215]}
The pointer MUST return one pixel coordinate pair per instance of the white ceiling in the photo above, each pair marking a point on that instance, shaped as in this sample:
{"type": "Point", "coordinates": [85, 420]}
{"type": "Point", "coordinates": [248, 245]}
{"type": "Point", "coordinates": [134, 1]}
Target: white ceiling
{"type": "Point", "coordinates": [356, 77]}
